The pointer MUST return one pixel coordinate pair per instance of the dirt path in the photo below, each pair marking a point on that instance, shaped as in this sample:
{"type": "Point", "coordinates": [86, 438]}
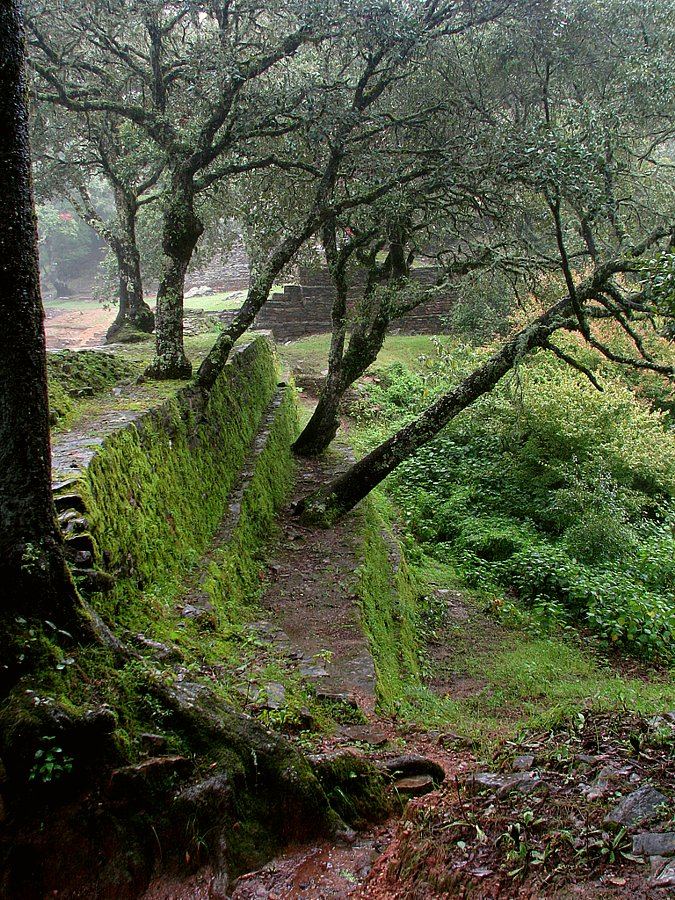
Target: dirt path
{"type": "Point", "coordinates": [312, 600]}
{"type": "Point", "coordinates": [313, 618]}
{"type": "Point", "coordinates": [73, 329]}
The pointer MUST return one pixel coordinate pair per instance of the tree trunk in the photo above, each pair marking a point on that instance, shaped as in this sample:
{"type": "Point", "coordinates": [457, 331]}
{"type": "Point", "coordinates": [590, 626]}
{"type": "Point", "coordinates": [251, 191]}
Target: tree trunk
{"type": "Point", "coordinates": [331, 502]}
{"type": "Point", "coordinates": [33, 574]}
{"type": "Point", "coordinates": [181, 230]}
{"type": "Point", "coordinates": [133, 309]}
{"type": "Point", "coordinates": [258, 292]}
{"type": "Point", "coordinates": [344, 367]}
{"type": "Point", "coordinates": [325, 420]}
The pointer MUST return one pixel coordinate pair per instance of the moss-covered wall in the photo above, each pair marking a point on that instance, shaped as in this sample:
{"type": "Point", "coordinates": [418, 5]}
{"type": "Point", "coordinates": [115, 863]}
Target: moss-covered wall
{"type": "Point", "coordinates": [388, 596]}
{"type": "Point", "coordinates": [157, 489]}
{"type": "Point", "coordinates": [233, 574]}
{"type": "Point", "coordinates": [392, 599]}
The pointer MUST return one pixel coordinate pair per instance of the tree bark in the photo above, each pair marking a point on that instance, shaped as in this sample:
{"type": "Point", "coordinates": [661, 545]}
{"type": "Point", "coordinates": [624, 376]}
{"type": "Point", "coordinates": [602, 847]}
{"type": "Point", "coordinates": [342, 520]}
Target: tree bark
{"type": "Point", "coordinates": [325, 420]}
{"type": "Point", "coordinates": [333, 501]}
{"type": "Point", "coordinates": [34, 577]}
{"type": "Point", "coordinates": [182, 228]}
{"type": "Point", "coordinates": [344, 367]}
{"type": "Point", "coordinates": [132, 307]}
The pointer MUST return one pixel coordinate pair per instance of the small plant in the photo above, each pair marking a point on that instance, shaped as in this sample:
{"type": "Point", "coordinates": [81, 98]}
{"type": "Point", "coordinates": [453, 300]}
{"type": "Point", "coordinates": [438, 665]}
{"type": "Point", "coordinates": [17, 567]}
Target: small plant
{"type": "Point", "coordinates": [51, 762]}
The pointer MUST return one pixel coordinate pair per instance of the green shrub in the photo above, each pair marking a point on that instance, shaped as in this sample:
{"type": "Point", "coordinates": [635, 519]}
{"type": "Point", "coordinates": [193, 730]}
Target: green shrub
{"type": "Point", "coordinates": [548, 490]}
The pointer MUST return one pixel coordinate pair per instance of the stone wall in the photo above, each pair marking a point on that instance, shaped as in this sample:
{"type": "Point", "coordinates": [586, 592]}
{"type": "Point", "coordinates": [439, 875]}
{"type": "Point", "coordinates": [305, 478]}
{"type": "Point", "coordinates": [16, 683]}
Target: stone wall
{"type": "Point", "coordinates": [224, 274]}
{"type": "Point", "coordinates": [305, 308]}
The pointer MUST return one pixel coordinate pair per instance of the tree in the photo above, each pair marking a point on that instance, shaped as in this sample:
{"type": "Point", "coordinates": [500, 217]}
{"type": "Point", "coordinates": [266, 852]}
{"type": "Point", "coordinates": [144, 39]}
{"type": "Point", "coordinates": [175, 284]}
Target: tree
{"type": "Point", "coordinates": [355, 146]}
{"type": "Point", "coordinates": [390, 292]}
{"type": "Point", "coordinates": [214, 87]}
{"type": "Point", "coordinates": [36, 581]}
{"type": "Point", "coordinates": [195, 78]}
{"type": "Point", "coordinates": [73, 154]}
{"type": "Point", "coordinates": [595, 197]}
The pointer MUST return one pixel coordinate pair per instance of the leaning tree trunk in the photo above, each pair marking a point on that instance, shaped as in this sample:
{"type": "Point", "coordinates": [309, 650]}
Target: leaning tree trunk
{"type": "Point", "coordinates": [344, 367]}
{"type": "Point", "coordinates": [258, 293]}
{"type": "Point", "coordinates": [33, 574]}
{"type": "Point", "coordinates": [133, 310]}
{"type": "Point", "coordinates": [182, 228]}
{"type": "Point", "coordinates": [362, 351]}
{"type": "Point", "coordinates": [332, 501]}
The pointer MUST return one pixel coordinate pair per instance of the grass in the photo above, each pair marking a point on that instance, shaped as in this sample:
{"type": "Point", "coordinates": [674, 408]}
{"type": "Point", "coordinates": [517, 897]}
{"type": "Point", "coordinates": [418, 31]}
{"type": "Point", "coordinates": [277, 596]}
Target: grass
{"type": "Point", "coordinates": [310, 355]}
{"type": "Point", "coordinates": [219, 302]}
{"type": "Point", "coordinates": [525, 679]}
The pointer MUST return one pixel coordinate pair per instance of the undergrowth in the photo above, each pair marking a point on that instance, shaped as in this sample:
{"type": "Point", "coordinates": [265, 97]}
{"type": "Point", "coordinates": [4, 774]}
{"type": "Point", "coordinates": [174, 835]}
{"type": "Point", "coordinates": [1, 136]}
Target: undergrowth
{"type": "Point", "coordinates": [549, 496]}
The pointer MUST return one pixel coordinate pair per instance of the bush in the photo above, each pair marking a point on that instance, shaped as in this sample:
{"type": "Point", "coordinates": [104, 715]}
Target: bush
{"type": "Point", "coordinates": [550, 491]}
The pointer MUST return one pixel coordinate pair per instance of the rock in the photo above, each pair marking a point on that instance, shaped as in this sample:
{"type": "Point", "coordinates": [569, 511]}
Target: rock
{"type": "Point", "coordinates": [275, 695]}
{"type": "Point", "coordinates": [83, 558]}
{"type": "Point", "coordinates": [62, 502]}
{"type": "Point", "coordinates": [93, 581]}
{"type": "Point", "coordinates": [202, 613]}
{"type": "Point", "coordinates": [212, 796]}
{"type": "Point", "coordinates": [642, 805]}
{"type": "Point", "coordinates": [364, 733]}
{"type": "Point", "coordinates": [523, 763]}
{"type": "Point", "coordinates": [201, 291]}
{"type": "Point", "coordinates": [312, 670]}
{"type": "Point", "coordinates": [666, 876]}
{"type": "Point", "coordinates": [605, 782]}
{"type": "Point", "coordinates": [58, 486]}
{"type": "Point", "coordinates": [75, 525]}
{"type": "Point", "coordinates": [80, 543]}
{"type": "Point", "coordinates": [153, 743]}
{"type": "Point", "coordinates": [250, 692]}
{"type": "Point", "coordinates": [328, 696]}
{"type": "Point", "coordinates": [133, 778]}
{"type": "Point", "coordinates": [654, 844]}
{"type": "Point", "coordinates": [412, 764]}
{"type": "Point", "coordinates": [160, 650]}
{"type": "Point", "coordinates": [415, 785]}
{"type": "Point", "coordinates": [502, 785]}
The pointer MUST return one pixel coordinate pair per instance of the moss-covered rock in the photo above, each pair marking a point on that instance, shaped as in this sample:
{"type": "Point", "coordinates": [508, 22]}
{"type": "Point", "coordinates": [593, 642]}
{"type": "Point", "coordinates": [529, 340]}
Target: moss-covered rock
{"type": "Point", "coordinates": [157, 490]}
{"type": "Point", "coordinates": [355, 787]}
{"type": "Point", "coordinates": [82, 373]}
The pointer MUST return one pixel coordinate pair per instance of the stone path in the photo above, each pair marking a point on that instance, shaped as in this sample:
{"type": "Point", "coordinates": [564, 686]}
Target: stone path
{"type": "Point", "coordinates": [312, 604]}
{"type": "Point", "coordinates": [72, 451]}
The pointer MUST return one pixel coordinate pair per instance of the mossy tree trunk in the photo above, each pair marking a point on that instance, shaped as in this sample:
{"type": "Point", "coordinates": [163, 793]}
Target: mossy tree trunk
{"type": "Point", "coordinates": [344, 369]}
{"type": "Point", "coordinates": [334, 500]}
{"type": "Point", "coordinates": [368, 333]}
{"type": "Point", "coordinates": [182, 228]}
{"type": "Point", "coordinates": [34, 577]}
{"type": "Point", "coordinates": [260, 286]}
{"type": "Point", "coordinates": [133, 309]}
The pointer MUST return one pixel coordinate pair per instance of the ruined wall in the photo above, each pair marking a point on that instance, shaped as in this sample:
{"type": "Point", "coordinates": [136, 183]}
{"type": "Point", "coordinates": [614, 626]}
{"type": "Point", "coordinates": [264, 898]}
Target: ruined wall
{"type": "Point", "coordinates": [305, 308]}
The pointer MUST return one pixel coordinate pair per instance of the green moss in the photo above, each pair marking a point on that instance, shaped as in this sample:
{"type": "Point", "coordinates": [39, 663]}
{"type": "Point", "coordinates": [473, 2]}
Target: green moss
{"type": "Point", "coordinates": [234, 573]}
{"type": "Point", "coordinates": [157, 490]}
{"type": "Point", "coordinates": [355, 789]}
{"type": "Point", "coordinates": [389, 595]}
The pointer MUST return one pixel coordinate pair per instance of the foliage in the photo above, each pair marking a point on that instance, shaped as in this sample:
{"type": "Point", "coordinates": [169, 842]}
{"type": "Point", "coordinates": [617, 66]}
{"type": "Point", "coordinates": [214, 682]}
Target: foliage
{"type": "Point", "coordinates": [51, 762]}
{"type": "Point", "coordinates": [77, 374]}
{"type": "Point", "coordinates": [547, 490]}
